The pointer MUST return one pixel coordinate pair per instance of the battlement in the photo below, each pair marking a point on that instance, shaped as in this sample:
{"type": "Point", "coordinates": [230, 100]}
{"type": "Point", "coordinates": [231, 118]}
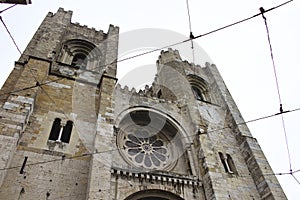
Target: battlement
{"type": "Point", "coordinates": [61, 14]}
{"type": "Point", "coordinates": [66, 16]}
{"type": "Point", "coordinates": [147, 92]}
{"type": "Point", "coordinates": [77, 24]}
{"type": "Point", "coordinates": [168, 56]}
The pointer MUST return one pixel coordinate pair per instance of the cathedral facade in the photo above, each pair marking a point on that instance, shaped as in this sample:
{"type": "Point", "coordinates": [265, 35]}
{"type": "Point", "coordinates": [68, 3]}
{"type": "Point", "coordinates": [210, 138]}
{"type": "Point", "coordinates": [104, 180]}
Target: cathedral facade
{"type": "Point", "coordinates": [69, 131]}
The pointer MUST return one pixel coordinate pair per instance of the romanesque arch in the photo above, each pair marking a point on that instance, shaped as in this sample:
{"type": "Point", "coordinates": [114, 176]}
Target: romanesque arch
{"type": "Point", "coordinates": [153, 195]}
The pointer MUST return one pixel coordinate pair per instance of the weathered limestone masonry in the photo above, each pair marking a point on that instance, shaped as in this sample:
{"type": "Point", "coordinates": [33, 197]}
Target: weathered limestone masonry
{"type": "Point", "coordinates": [55, 88]}
{"type": "Point", "coordinates": [69, 131]}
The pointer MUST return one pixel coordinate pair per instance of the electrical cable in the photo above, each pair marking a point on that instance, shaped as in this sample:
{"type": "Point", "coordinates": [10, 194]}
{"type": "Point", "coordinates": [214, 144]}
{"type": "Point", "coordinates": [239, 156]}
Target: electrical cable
{"type": "Point", "coordinates": [61, 159]}
{"type": "Point", "coordinates": [243, 20]}
{"type": "Point", "coordinates": [8, 8]}
{"type": "Point", "coordinates": [286, 142]}
{"type": "Point", "coordinates": [88, 154]}
{"type": "Point", "coordinates": [277, 86]}
{"type": "Point", "coordinates": [272, 56]}
{"type": "Point", "coordinates": [196, 37]}
{"type": "Point", "coordinates": [246, 122]}
{"type": "Point", "coordinates": [282, 112]}
{"type": "Point", "coordinates": [30, 87]}
{"type": "Point", "coordinates": [191, 33]}
{"type": "Point", "coordinates": [181, 42]}
{"type": "Point", "coordinates": [10, 35]}
{"type": "Point", "coordinates": [295, 178]}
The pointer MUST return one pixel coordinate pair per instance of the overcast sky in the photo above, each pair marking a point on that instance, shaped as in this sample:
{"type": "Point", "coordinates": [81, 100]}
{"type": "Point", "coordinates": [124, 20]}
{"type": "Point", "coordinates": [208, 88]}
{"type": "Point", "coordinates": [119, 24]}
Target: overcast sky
{"type": "Point", "coordinates": [241, 54]}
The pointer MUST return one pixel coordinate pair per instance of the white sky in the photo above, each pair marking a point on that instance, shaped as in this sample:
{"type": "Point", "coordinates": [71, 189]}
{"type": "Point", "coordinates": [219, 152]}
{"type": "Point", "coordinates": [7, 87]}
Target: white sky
{"type": "Point", "coordinates": [241, 54]}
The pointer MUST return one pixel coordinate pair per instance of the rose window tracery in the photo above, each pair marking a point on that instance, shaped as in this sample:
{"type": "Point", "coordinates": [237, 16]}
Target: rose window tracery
{"type": "Point", "coordinates": [147, 152]}
{"type": "Point", "coordinates": [148, 140]}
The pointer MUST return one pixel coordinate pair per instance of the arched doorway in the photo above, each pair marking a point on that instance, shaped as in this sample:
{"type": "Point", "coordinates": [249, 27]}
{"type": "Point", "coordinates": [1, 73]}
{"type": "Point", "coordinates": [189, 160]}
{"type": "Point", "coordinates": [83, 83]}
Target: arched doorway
{"type": "Point", "coordinates": [153, 195]}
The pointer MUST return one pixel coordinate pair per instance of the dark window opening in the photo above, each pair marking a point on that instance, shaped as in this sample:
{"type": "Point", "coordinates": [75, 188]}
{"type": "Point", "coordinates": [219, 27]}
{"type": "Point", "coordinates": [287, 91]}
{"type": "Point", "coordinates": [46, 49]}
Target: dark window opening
{"type": "Point", "coordinates": [159, 94]}
{"type": "Point", "coordinates": [79, 60]}
{"type": "Point", "coordinates": [55, 130]}
{"type": "Point", "coordinates": [223, 162]}
{"type": "Point", "coordinates": [231, 165]}
{"type": "Point", "coordinates": [197, 93]}
{"type": "Point", "coordinates": [228, 163]}
{"type": "Point", "coordinates": [59, 133]}
{"type": "Point", "coordinates": [66, 133]}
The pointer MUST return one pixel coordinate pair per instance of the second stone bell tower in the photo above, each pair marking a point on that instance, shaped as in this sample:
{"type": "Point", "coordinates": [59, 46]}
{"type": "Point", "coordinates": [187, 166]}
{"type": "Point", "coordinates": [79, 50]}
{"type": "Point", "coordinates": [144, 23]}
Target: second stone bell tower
{"type": "Point", "coordinates": [69, 131]}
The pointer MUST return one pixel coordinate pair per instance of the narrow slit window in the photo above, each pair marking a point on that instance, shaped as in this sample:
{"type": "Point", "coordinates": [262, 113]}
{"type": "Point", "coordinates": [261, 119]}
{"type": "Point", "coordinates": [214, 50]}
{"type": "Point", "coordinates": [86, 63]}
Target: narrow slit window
{"type": "Point", "coordinates": [55, 130]}
{"type": "Point", "coordinates": [232, 168]}
{"type": "Point", "coordinates": [159, 94]}
{"type": "Point", "coordinates": [223, 160]}
{"type": "Point", "coordinates": [66, 133]}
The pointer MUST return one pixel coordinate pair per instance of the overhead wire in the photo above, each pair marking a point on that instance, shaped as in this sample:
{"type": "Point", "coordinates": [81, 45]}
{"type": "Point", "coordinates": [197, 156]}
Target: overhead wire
{"type": "Point", "coordinates": [177, 44]}
{"type": "Point", "coordinates": [184, 41]}
{"type": "Point", "coordinates": [242, 123]}
{"type": "Point", "coordinates": [106, 151]}
{"type": "Point", "coordinates": [60, 159]}
{"type": "Point", "coordinates": [10, 35]}
{"type": "Point", "coordinates": [131, 57]}
{"type": "Point", "coordinates": [7, 28]}
{"type": "Point", "coordinates": [191, 36]}
{"type": "Point", "coordinates": [30, 87]}
{"type": "Point", "coordinates": [195, 37]}
{"type": "Point", "coordinates": [277, 86]}
{"type": "Point", "coordinates": [7, 8]}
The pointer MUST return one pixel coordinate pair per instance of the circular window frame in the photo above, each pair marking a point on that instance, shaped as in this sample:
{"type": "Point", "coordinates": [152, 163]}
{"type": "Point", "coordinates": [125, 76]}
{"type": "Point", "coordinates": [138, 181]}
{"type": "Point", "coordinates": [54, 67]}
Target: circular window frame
{"type": "Point", "coordinates": [172, 150]}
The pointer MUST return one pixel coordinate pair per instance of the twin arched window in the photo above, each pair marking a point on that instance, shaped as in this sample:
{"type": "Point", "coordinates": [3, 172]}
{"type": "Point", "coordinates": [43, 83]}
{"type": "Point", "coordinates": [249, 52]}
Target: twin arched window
{"type": "Point", "coordinates": [59, 132]}
{"type": "Point", "coordinates": [228, 163]}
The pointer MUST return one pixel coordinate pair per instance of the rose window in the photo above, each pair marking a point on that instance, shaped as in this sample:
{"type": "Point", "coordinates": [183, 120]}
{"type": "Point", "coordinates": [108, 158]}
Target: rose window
{"type": "Point", "coordinates": [148, 152]}
{"type": "Point", "coordinates": [148, 140]}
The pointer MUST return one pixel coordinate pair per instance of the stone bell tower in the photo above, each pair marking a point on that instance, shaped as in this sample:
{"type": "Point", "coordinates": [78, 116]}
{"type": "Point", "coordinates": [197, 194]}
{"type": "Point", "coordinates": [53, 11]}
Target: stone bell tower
{"type": "Point", "coordinates": [49, 109]}
{"type": "Point", "coordinates": [69, 131]}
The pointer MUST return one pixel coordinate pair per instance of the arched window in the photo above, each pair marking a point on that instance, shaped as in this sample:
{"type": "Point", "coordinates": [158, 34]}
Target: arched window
{"type": "Point", "coordinates": [66, 133]}
{"type": "Point", "coordinates": [231, 165]}
{"type": "Point", "coordinates": [223, 160]}
{"type": "Point", "coordinates": [61, 133]}
{"type": "Point", "coordinates": [55, 130]}
{"type": "Point", "coordinates": [79, 60]}
{"type": "Point", "coordinates": [81, 53]}
{"type": "Point", "coordinates": [199, 88]}
{"type": "Point", "coordinates": [144, 139]}
{"type": "Point", "coordinates": [228, 163]}
{"type": "Point", "coordinates": [197, 93]}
